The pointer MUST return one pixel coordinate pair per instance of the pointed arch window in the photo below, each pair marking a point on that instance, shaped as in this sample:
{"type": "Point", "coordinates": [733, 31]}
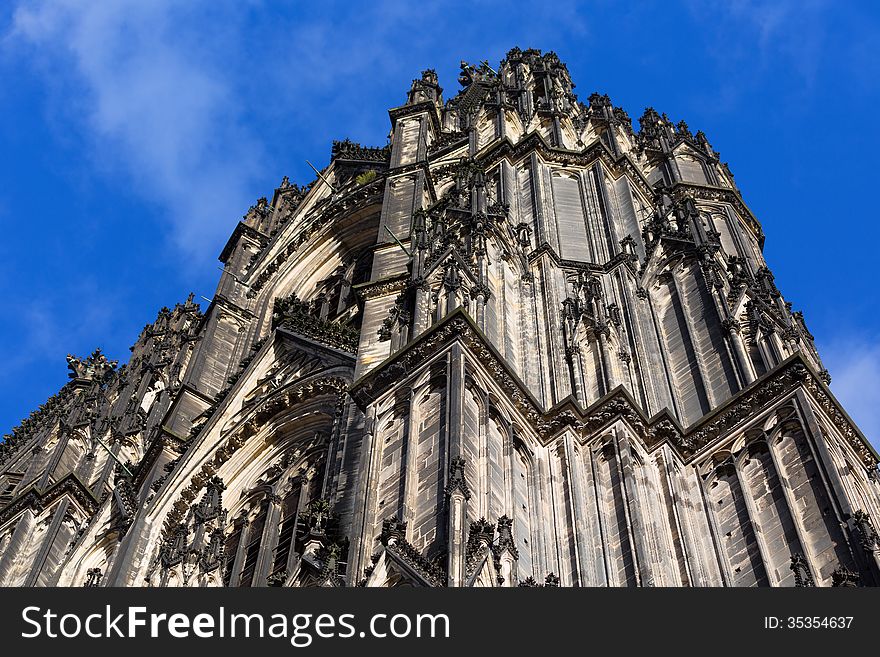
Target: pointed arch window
{"type": "Point", "coordinates": [290, 504]}
{"type": "Point", "coordinates": [230, 551]}
{"type": "Point", "coordinates": [570, 217]}
{"type": "Point", "coordinates": [254, 541]}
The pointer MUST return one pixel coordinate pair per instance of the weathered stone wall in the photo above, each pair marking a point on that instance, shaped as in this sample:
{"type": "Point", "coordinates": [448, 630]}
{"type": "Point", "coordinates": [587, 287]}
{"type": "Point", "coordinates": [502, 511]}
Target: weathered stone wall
{"type": "Point", "coordinates": [523, 344]}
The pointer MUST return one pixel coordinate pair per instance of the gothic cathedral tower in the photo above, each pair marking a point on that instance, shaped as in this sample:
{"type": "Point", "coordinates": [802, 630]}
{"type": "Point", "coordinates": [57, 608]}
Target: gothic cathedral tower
{"type": "Point", "coordinates": [523, 344]}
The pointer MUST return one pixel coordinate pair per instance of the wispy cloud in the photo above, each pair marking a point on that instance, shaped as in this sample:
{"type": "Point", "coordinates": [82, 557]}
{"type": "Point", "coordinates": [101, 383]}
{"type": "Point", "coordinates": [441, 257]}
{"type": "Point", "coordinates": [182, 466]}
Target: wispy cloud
{"type": "Point", "coordinates": [764, 41]}
{"type": "Point", "coordinates": [189, 100]}
{"type": "Point", "coordinates": [47, 334]}
{"type": "Point", "coordinates": [854, 364]}
{"type": "Point", "coordinates": [155, 102]}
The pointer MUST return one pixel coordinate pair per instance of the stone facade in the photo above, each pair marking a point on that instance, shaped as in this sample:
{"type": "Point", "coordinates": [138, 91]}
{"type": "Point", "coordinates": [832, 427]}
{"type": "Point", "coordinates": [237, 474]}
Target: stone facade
{"type": "Point", "coordinates": [521, 345]}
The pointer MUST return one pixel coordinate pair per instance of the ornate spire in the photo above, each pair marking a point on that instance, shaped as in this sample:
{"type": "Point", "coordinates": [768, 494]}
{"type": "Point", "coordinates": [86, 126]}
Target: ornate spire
{"type": "Point", "coordinates": [96, 367]}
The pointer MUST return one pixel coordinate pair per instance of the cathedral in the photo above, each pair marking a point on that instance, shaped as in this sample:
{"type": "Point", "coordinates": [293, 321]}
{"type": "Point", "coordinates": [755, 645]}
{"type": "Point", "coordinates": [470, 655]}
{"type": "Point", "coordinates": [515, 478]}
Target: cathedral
{"type": "Point", "coordinates": [525, 343]}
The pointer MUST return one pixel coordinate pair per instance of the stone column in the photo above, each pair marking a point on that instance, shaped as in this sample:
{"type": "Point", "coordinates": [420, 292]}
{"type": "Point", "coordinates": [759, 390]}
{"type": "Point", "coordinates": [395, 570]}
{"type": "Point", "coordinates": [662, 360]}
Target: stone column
{"type": "Point", "coordinates": [269, 541]}
{"type": "Point", "coordinates": [578, 509]}
{"type": "Point", "coordinates": [573, 354]}
{"type": "Point", "coordinates": [16, 543]}
{"type": "Point", "coordinates": [636, 529]}
{"type": "Point", "coordinates": [363, 519]}
{"type": "Point", "coordinates": [238, 560]}
{"type": "Point", "coordinates": [410, 481]}
{"type": "Point", "coordinates": [607, 361]}
{"type": "Point", "coordinates": [746, 368]}
{"type": "Point", "coordinates": [457, 495]}
{"type": "Point", "coordinates": [48, 540]}
{"type": "Point", "coordinates": [751, 509]}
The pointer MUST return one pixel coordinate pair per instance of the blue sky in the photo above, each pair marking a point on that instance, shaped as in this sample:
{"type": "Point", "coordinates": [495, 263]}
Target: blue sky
{"type": "Point", "coordinates": [135, 134]}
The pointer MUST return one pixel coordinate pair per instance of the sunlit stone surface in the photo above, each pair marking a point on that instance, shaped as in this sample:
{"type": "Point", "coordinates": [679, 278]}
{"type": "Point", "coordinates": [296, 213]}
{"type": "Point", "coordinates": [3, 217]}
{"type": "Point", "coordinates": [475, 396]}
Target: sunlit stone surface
{"type": "Point", "coordinates": [522, 344]}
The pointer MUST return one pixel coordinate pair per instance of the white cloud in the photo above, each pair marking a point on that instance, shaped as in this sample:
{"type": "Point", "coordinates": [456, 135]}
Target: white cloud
{"type": "Point", "coordinates": [187, 99]}
{"type": "Point", "coordinates": [854, 364]}
{"type": "Point", "coordinates": [751, 39]}
{"type": "Point", "coordinates": [175, 96]}
{"type": "Point", "coordinates": [155, 101]}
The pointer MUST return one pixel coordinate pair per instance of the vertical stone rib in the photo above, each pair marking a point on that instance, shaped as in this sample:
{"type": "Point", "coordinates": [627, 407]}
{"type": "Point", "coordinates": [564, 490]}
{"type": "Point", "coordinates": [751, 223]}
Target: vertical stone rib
{"type": "Point", "coordinates": [456, 538]}
{"type": "Point", "coordinates": [409, 476]}
{"type": "Point", "coordinates": [608, 578]}
{"type": "Point", "coordinates": [771, 515]}
{"type": "Point", "coordinates": [672, 499]}
{"type": "Point", "coordinates": [364, 519]}
{"type": "Point", "coordinates": [752, 513]}
{"type": "Point", "coordinates": [268, 542]}
{"type": "Point", "coordinates": [238, 562]}
{"type": "Point", "coordinates": [575, 504]}
{"type": "Point", "coordinates": [635, 524]}
{"type": "Point", "coordinates": [819, 529]}
{"type": "Point", "coordinates": [739, 545]}
{"type": "Point", "coordinates": [593, 544]}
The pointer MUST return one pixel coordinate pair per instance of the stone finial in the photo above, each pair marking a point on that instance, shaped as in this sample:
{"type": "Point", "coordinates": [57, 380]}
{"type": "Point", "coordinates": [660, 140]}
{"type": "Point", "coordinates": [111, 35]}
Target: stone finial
{"type": "Point", "coordinates": [457, 481]}
{"type": "Point", "coordinates": [93, 578]}
{"type": "Point", "coordinates": [506, 541]}
{"type": "Point", "coordinates": [482, 531]}
{"type": "Point", "coordinates": [843, 576]}
{"type": "Point", "coordinates": [802, 575]}
{"type": "Point", "coordinates": [393, 531]}
{"type": "Point", "coordinates": [318, 516]}
{"type": "Point", "coordinates": [95, 367]}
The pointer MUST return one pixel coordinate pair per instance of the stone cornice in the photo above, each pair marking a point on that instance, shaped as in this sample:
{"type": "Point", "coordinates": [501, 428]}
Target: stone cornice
{"type": "Point", "coordinates": [382, 287]}
{"type": "Point", "coordinates": [165, 438]}
{"type": "Point", "coordinates": [618, 404]}
{"type": "Point", "coordinates": [597, 151]}
{"type": "Point", "coordinates": [349, 151]}
{"type": "Point", "coordinates": [335, 382]}
{"type": "Point", "coordinates": [38, 499]}
{"type": "Point", "coordinates": [820, 392]}
{"type": "Point", "coordinates": [241, 229]}
{"type": "Point", "coordinates": [546, 249]}
{"type": "Point", "coordinates": [417, 108]}
{"type": "Point", "coordinates": [294, 321]}
{"type": "Point", "coordinates": [318, 218]}
{"type": "Point", "coordinates": [748, 403]}
{"type": "Point", "coordinates": [617, 260]}
{"type": "Point", "coordinates": [723, 195]}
